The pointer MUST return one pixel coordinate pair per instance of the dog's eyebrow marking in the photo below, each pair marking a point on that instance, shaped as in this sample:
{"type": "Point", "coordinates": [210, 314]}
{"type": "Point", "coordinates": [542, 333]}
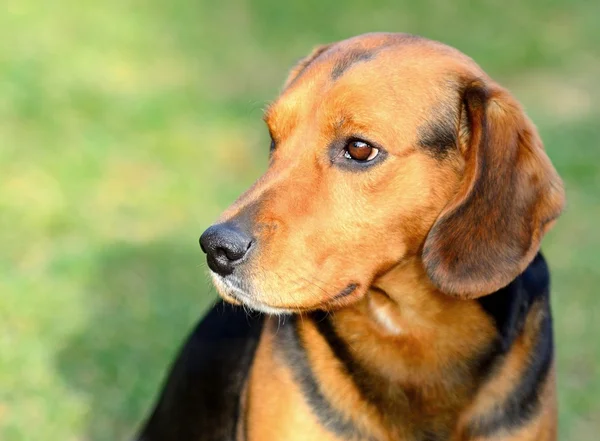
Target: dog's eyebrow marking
{"type": "Point", "coordinates": [351, 58]}
{"type": "Point", "coordinates": [439, 135]}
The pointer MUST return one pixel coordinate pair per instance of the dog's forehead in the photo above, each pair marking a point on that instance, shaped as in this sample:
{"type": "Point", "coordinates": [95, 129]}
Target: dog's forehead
{"type": "Point", "coordinates": [401, 55]}
{"type": "Point", "coordinates": [385, 67]}
{"type": "Point", "coordinates": [387, 51]}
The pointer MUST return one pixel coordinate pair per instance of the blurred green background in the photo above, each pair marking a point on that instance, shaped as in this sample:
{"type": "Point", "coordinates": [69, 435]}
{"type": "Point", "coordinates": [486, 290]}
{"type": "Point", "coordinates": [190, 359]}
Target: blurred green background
{"type": "Point", "coordinates": [127, 126]}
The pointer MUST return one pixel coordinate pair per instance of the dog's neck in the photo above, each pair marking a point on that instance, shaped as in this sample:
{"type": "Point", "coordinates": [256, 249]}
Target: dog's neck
{"type": "Point", "coordinates": [409, 320]}
{"type": "Point", "coordinates": [415, 362]}
{"type": "Point", "coordinates": [413, 352]}
{"type": "Point", "coordinates": [397, 300]}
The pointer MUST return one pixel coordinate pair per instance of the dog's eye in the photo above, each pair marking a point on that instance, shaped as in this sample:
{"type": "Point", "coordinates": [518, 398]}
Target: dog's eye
{"type": "Point", "coordinates": [360, 151]}
{"type": "Point", "coordinates": [272, 147]}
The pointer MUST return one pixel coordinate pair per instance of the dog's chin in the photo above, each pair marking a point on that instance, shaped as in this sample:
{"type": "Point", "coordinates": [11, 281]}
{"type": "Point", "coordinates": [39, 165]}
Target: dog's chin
{"type": "Point", "coordinates": [231, 292]}
{"type": "Point", "coordinates": [238, 293]}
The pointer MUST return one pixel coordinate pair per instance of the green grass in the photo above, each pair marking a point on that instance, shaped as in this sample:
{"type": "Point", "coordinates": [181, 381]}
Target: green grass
{"type": "Point", "coordinates": [126, 127]}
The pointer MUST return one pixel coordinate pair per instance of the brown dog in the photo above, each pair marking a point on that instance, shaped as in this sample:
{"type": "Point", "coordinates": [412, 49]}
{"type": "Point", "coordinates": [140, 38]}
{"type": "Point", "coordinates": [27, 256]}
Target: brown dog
{"type": "Point", "coordinates": [397, 231]}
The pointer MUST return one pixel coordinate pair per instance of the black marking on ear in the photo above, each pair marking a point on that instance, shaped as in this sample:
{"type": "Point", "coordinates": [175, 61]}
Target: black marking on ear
{"type": "Point", "coordinates": [509, 308]}
{"type": "Point", "coordinates": [439, 135]}
{"type": "Point", "coordinates": [351, 58]}
{"type": "Point", "coordinates": [289, 341]}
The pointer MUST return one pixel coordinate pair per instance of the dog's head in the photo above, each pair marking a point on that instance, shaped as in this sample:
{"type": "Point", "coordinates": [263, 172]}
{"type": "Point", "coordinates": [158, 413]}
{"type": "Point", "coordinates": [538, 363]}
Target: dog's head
{"type": "Point", "coordinates": [386, 147]}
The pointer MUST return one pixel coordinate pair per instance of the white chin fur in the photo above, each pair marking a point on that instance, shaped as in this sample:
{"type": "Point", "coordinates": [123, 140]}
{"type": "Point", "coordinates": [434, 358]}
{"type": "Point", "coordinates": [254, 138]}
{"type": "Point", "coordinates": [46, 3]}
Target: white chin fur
{"type": "Point", "coordinates": [242, 296]}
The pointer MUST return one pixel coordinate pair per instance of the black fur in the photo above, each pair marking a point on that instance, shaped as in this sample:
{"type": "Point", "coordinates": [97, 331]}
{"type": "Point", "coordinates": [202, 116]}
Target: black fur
{"type": "Point", "coordinates": [351, 58]}
{"type": "Point", "coordinates": [509, 308]}
{"type": "Point", "coordinates": [200, 400]}
{"type": "Point", "coordinates": [340, 349]}
{"type": "Point", "coordinates": [439, 136]}
{"type": "Point", "coordinates": [290, 344]}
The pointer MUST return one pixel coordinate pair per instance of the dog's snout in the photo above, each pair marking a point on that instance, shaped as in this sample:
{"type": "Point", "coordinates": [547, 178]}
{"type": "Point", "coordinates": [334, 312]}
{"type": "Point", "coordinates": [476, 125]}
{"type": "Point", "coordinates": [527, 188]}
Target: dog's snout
{"type": "Point", "coordinates": [225, 246]}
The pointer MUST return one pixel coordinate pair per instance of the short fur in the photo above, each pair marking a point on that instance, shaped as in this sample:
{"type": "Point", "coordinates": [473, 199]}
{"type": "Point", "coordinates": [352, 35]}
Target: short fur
{"type": "Point", "coordinates": [402, 298]}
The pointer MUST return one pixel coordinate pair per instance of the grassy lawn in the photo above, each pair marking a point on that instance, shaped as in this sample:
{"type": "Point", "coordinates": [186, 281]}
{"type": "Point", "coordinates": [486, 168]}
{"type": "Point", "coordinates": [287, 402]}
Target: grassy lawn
{"type": "Point", "coordinates": [127, 126]}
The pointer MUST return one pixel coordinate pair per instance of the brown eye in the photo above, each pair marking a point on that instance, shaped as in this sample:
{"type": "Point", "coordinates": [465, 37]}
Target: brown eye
{"type": "Point", "coordinates": [360, 151]}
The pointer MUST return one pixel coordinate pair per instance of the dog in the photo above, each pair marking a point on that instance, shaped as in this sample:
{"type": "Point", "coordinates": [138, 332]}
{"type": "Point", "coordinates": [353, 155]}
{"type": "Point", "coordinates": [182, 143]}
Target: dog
{"type": "Point", "coordinates": [391, 255]}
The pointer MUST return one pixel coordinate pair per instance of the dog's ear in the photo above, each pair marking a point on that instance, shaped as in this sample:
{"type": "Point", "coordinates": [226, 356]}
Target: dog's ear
{"type": "Point", "coordinates": [508, 198]}
{"type": "Point", "coordinates": [303, 64]}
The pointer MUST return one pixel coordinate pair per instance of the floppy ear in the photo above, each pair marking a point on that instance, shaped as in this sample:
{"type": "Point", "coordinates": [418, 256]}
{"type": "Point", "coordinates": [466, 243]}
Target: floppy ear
{"type": "Point", "coordinates": [303, 64]}
{"type": "Point", "coordinates": [510, 194]}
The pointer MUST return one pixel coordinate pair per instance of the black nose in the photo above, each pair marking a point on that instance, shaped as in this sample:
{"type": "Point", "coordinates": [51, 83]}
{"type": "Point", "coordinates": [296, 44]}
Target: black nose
{"type": "Point", "coordinates": [225, 246]}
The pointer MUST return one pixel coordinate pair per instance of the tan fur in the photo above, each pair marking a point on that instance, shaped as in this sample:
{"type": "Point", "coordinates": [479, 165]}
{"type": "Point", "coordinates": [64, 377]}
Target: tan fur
{"type": "Point", "coordinates": [505, 157]}
{"type": "Point", "coordinates": [396, 231]}
{"type": "Point", "coordinates": [276, 409]}
{"type": "Point", "coordinates": [501, 385]}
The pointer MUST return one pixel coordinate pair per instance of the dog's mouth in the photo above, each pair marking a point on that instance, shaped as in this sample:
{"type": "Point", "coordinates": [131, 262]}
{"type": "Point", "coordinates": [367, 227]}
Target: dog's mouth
{"type": "Point", "coordinates": [234, 291]}
{"type": "Point", "coordinates": [347, 291]}
{"type": "Point", "coordinates": [237, 291]}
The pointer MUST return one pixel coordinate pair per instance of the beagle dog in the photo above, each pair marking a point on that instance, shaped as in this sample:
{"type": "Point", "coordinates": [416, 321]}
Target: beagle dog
{"type": "Point", "coordinates": [382, 280]}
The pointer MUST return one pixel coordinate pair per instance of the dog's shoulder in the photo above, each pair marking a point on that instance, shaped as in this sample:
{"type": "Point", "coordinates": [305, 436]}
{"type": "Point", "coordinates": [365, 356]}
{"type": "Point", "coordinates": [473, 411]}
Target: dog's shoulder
{"type": "Point", "coordinates": [201, 396]}
{"type": "Point", "coordinates": [510, 305]}
{"type": "Point", "coordinates": [516, 376]}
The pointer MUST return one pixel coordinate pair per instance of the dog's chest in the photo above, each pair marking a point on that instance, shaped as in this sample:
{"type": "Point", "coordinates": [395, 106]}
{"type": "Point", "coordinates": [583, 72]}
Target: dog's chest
{"type": "Point", "coordinates": [302, 386]}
